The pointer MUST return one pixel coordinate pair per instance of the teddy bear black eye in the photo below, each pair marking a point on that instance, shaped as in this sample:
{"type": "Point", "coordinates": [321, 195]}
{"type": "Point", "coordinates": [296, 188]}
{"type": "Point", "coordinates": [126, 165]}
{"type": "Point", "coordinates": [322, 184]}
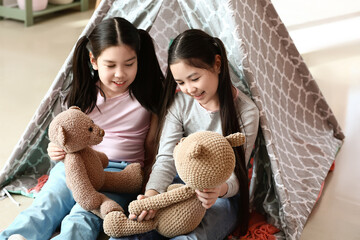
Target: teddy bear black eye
{"type": "Point", "coordinates": [90, 129]}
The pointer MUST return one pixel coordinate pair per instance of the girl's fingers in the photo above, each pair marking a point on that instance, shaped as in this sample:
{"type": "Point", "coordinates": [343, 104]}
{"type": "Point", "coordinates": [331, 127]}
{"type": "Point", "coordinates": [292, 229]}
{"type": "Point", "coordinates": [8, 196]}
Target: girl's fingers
{"type": "Point", "coordinates": [58, 158]}
{"type": "Point", "coordinates": [148, 217]}
{"type": "Point", "coordinates": [145, 215]}
{"type": "Point", "coordinates": [206, 194]}
{"type": "Point", "coordinates": [206, 206]}
{"type": "Point", "coordinates": [142, 216]}
{"type": "Point", "coordinates": [207, 198]}
{"type": "Point", "coordinates": [52, 148]}
{"type": "Point", "coordinates": [151, 214]}
{"type": "Point", "coordinates": [55, 153]}
{"type": "Point", "coordinates": [207, 203]}
{"type": "Point", "coordinates": [140, 196]}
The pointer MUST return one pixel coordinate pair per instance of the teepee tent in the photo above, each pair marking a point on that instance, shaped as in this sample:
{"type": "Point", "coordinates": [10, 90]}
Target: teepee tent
{"type": "Point", "coordinates": [299, 136]}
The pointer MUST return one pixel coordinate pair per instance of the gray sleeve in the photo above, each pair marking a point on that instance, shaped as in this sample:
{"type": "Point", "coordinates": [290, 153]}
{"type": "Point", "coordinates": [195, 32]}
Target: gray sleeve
{"type": "Point", "coordinates": [249, 122]}
{"type": "Point", "coordinates": [233, 186]}
{"type": "Point", "coordinates": [163, 170]}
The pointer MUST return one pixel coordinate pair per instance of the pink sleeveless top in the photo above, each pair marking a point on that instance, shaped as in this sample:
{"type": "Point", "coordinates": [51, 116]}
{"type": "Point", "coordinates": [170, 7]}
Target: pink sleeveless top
{"type": "Point", "coordinates": [126, 124]}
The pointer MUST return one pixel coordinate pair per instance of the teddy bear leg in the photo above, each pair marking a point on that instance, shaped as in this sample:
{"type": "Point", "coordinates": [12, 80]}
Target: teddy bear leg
{"type": "Point", "coordinates": [128, 180]}
{"type": "Point", "coordinates": [189, 213]}
{"type": "Point", "coordinates": [116, 224]}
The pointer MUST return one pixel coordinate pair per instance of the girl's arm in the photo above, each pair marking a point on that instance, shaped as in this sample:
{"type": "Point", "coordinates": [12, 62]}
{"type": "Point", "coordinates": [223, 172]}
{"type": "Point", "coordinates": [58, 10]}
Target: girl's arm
{"type": "Point", "coordinates": [209, 196]}
{"type": "Point", "coordinates": [163, 170]}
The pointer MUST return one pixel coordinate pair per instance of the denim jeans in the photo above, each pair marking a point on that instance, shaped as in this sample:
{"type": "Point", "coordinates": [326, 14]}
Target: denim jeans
{"type": "Point", "coordinates": [218, 222]}
{"type": "Point", "coordinates": [55, 207]}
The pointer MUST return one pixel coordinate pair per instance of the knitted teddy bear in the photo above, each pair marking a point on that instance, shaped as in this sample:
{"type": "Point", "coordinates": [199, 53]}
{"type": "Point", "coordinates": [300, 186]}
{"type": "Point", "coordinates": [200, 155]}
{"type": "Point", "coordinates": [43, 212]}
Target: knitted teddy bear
{"type": "Point", "coordinates": [74, 132]}
{"type": "Point", "coordinates": [203, 160]}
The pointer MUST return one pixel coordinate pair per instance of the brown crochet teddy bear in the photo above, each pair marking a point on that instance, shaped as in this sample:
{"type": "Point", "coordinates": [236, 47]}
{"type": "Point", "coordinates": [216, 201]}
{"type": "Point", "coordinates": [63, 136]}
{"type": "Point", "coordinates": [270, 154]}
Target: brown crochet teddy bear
{"type": "Point", "coordinates": [74, 131]}
{"type": "Point", "coordinates": [203, 160]}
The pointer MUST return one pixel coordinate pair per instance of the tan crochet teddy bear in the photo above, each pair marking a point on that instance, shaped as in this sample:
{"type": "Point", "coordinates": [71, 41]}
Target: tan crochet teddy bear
{"type": "Point", "coordinates": [203, 160]}
{"type": "Point", "coordinates": [74, 131]}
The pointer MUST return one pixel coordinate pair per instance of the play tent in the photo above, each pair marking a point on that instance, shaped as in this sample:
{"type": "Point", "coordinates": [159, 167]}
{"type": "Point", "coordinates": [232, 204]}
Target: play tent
{"type": "Point", "coordinates": [299, 136]}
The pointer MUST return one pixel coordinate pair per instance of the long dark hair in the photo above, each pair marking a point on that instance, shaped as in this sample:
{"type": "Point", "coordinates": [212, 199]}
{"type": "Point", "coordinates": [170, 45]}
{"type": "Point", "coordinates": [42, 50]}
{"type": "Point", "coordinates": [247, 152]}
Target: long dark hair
{"type": "Point", "coordinates": [198, 49]}
{"type": "Point", "coordinates": [147, 87]}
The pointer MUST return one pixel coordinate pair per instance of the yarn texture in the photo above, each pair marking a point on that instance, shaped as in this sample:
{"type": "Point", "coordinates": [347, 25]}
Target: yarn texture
{"type": "Point", "coordinates": [203, 160]}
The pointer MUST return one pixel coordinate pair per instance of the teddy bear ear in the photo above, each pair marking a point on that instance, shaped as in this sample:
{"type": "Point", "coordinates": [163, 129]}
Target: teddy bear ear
{"type": "Point", "coordinates": [196, 149]}
{"type": "Point", "coordinates": [75, 107]}
{"type": "Point", "coordinates": [236, 139]}
{"type": "Point", "coordinates": [60, 131]}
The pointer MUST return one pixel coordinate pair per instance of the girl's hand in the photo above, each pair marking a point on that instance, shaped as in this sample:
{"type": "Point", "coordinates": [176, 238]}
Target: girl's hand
{"type": "Point", "coordinates": [145, 215]}
{"type": "Point", "coordinates": [209, 196]}
{"type": "Point", "coordinates": [55, 153]}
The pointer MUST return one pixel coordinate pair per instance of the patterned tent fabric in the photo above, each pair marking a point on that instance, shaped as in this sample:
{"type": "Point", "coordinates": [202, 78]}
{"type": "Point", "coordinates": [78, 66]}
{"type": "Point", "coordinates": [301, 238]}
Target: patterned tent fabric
{"type": "Point", "coordinates": [299, 136]}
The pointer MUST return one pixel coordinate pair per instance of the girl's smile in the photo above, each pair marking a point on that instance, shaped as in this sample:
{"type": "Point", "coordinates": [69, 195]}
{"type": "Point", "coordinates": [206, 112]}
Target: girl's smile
{"type": "Point", "coordinates": [119, 84]}
{"type": "Point", "coordinates": [199, 96]}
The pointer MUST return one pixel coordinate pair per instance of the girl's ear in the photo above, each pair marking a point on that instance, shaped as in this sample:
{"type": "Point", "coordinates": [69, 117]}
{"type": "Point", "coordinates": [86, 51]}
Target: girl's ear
{"type": "Point", "coordinates": [93, 61]}
{"type": "Point", "coordinates": [217, 64]}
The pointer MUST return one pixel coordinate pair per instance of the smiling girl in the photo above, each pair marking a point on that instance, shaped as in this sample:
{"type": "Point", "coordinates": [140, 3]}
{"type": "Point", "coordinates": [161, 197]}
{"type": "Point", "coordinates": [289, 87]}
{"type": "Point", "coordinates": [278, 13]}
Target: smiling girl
{"type": "Point", "coordinates": [117, 81]}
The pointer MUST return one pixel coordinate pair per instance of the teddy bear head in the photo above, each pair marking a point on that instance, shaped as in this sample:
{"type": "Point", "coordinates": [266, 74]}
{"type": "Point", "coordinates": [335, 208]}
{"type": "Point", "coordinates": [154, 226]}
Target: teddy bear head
{"type": "Point", "coordinates": [73, 130]}
{"type": "Point", "coordinates": [206, 159]}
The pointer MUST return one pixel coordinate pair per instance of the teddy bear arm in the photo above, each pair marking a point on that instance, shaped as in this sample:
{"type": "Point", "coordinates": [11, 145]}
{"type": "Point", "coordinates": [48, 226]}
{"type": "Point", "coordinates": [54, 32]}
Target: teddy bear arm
{"type": "Point", "coordinates": [116, 224]}
{"type": "Point", "coordinates": [161, 200]}
{"type": "Point", "coordinates": [103, 158]}
{"type": "Point", "coordinates": [129, 180]}
{"type": "Point", "coordinates": [78, 181]}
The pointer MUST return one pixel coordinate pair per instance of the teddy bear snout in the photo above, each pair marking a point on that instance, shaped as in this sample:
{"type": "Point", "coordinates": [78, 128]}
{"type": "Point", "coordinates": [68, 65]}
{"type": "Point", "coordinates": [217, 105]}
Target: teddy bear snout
{"type": "Point", "coordinates": [102, 132]}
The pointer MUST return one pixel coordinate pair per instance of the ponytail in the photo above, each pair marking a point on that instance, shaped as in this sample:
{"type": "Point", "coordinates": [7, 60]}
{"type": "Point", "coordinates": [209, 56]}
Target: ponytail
{"type": "Point", "coordinates": [148, 85]}
{"type": "Point", "coordinates": [83, 90]}
{"type": "Point", "coordinates": [229, 126]}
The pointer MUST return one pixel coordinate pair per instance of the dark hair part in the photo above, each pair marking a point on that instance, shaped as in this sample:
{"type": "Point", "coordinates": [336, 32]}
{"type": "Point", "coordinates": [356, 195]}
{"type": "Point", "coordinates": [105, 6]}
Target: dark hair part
{"type": "Point", "coordinates": [198, 49]}
{"type": "Point", "coordinates": [147, 87]}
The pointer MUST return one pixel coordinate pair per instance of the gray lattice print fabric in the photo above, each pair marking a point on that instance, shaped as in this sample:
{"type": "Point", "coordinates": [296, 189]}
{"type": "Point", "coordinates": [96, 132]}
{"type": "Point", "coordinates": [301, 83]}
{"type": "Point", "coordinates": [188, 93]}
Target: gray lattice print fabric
{"type": "Point", "coordinates": [299, 135]}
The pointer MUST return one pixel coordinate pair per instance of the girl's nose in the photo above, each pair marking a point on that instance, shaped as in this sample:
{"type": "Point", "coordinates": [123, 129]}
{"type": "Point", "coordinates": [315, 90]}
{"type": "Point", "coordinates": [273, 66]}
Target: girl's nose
{"type": "Point", "coordinates": [119, 73]}
{"type": "Point", "coordinates": [191, 89]}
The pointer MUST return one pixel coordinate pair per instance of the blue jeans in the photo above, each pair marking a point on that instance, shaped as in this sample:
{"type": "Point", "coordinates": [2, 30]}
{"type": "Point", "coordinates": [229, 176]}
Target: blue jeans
{"type": "Point", "coordinates": [218, 222]}
{"type": "Point", "coordinates": [55, 207]}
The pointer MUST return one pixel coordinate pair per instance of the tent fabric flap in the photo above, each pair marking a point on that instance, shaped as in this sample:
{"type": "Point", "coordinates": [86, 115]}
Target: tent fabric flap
{"type": "Point", "coordinates": [299, 136]}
